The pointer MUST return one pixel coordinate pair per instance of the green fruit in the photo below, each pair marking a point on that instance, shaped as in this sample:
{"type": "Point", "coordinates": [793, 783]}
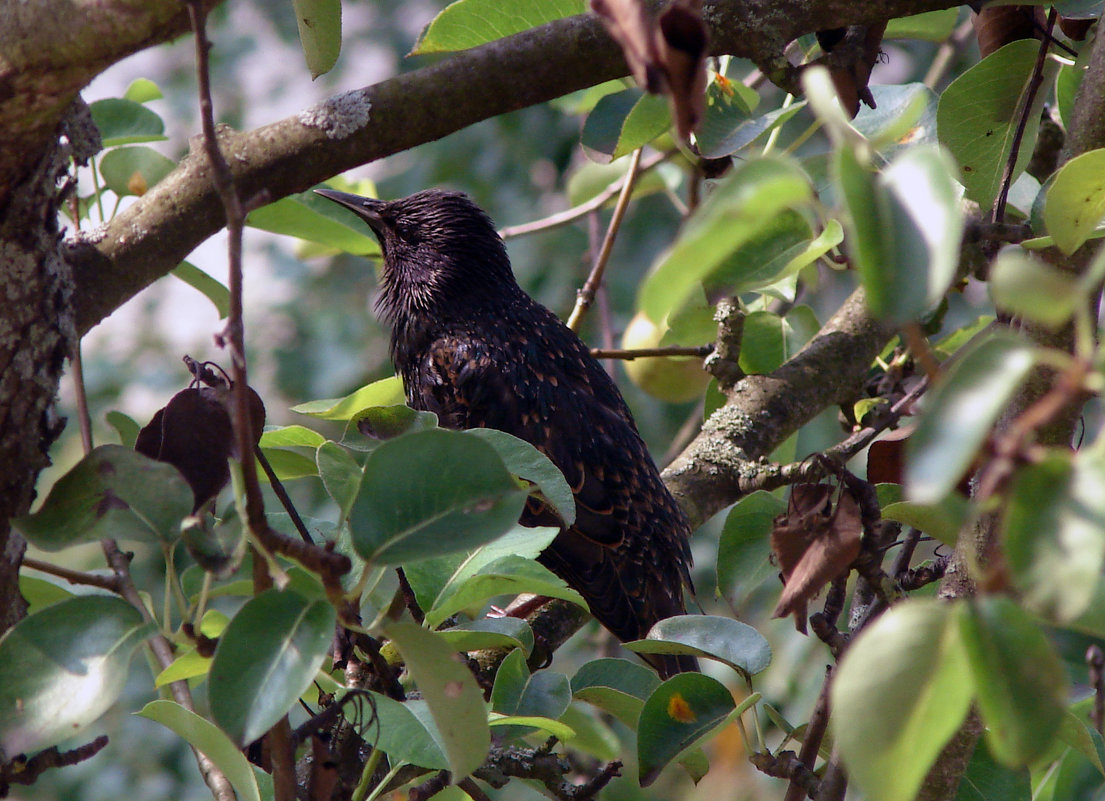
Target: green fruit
{"type": "Point", "coordinates": [669, 378]}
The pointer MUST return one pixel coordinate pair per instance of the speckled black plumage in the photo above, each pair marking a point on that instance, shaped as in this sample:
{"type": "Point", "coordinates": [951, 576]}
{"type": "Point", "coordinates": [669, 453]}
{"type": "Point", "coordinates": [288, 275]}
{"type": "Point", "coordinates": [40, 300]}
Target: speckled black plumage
{"type": "Point", "coordinates": [475, 349]}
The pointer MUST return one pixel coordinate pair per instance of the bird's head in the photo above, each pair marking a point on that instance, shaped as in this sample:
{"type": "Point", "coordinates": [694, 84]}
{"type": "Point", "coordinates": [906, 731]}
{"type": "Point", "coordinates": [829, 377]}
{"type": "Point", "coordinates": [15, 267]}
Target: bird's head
{"type": "Point", "coordinates": [439, 248]}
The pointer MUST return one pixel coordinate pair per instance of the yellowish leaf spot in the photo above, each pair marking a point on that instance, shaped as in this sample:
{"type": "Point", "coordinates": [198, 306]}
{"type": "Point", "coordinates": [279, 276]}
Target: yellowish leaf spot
{"type": "Point", "coordinates": [137, 184]}
{"type": "Point", "coordinates": [679, 710]}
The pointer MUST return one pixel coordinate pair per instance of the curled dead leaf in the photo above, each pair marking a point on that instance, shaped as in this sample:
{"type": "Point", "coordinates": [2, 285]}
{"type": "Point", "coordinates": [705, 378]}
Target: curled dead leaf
{"type": "Point", "coordinates": [814, 542]}
{"type": "Point", "coordinates": [666, 54]}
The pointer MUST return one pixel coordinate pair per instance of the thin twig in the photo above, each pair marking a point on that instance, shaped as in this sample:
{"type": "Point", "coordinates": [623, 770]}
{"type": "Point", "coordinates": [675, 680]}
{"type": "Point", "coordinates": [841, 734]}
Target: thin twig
{"type": "Point", "coordinates": [1095, 659]}
{"type": "Point", "coordinates": [162, 651]}
{"type": "Point", "coordinates": [233, 336]}
{"type": "Point", "coordinates": [21, 770]}
{"type": "Point", "coordinates": [278, 740]}
{"type": "Point", "coordinates": [629, 354]}
{"type": "Point", "coordinates": [905, 553]}
{"type": "Point", "coordinates": [1034, 84]}
{"type": "Point", "coordinates": [567, 216]}
{"type": "Point", "coordinates": [474, 791]}
{"type": "Point", "coordinates": [921, 351]}
{"type": "Point", "coordinates": [773, 476]}
{"type": "Point", "coordinates": [74, 576]}
{"type": "Point", "coordinates": [429, 788]}
{"type": "Point", "coordinates": [811, 742]}
{"type": "Point", "coordinates": [943, 58]}
{"type": "Point", "coordinates": [84, 419]}
{"type": "Point", "coordinates": [587, 295]}
{"type": "Point", "coordinates": [282, 495]}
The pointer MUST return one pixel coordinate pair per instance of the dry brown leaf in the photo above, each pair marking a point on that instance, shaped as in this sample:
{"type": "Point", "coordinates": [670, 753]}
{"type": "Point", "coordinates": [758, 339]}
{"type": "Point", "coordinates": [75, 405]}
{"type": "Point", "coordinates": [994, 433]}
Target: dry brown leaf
{"type": "Point", "coordinates": [997, 26]}
{"type": "Point", "coordinates": [886, 457]}
{"type": "Point", "coordinates": [667, 55]}
{"type": "Point", "coordinates": [682, 42]}
{"type": "Point", "coordinates": [193, 433]}
{"type": "Point", "coordinates": [825, 539]}
{"type": "Point", "coordinates": [630, 25]}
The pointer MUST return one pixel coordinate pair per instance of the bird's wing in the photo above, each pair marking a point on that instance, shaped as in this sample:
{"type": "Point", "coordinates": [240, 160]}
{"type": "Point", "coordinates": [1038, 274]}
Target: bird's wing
{"type": "Point", "coordinates": [626, 551]}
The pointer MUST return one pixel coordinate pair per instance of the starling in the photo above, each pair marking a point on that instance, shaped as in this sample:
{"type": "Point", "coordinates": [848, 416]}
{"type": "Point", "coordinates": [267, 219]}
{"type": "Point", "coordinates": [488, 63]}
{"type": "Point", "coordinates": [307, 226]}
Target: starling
{"type": "Point", "coordinates": [474, 348]}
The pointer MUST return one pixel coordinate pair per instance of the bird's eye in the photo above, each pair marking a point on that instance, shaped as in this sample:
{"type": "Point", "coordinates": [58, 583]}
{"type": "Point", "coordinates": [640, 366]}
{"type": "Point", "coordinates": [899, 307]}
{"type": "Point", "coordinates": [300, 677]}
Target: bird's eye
{"type": "Point", "coordinates": [408, 233]}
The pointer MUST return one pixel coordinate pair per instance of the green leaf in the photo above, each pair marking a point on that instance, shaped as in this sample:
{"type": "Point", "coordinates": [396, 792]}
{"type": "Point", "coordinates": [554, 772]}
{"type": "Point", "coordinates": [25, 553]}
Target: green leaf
{"type": "Point", "coordinates": [905, 229]}
{"type": "Point", "coordinates": [901, 691]}
{"type": "Point", "coordinates": [206, 738]}
{"type": "Point", "coordinates": [1029, 287]}
{"type": "Point", "coordinates": [406, 732]}
{"type": "Point", "coordinates": [721, 638]}
{"type": "Point", "coordinates": [134, 170]}
{"type": "Point", "coordinates": [932, 26]}
{"type": "Point", "coordinates": [1055, 532]}
{"type": "Point", "coordinates": [986, 780]}
{"type": "Point", "coordinates": [319, 33]}
{"type": "Point", "coordinates": [622, 122]}
{"type": "Point", "coordinates": [289, 465]}
{"type": "Point", "coordinates": [768, 256]}
{"type": "Point", "coordinates": [211, 288]}
{"type": "Point", "coordinates": [904, 116]}
{"type": "Point", "coordinates": [617, 686]}
{"type": "Point", "coordinates": [433, 580]}
{"type": "Point", "coordinates": [265, 660]}
{"type": "Point", "coordinates": [122, 122]}
{"type": "Point", "coordinates": [768, 340]}
{"type": "Point", "coordinates": [385, 392]}
{"type": "Point", "coordinates": [592, 735]}
{"type": "Point", "coordinates": [725, 112]}
{"type": "Point", "coordinates": [744, 548]}
{"type": "Point", "coordinates": [525, 461]}
{"type": "Point", "coordinates": [1075, 202]}
{"type": "Point", "coordinates": [292, 437]}
{"type": "Point", "coordinates": [741, 206]}
{"type": "Point", "coordinates": [111, 492]}
{"type": "Point", "coordinates": [305, 216]}
{"type": "Point", "coordinates": [191, 664]}
{"type": "Point", "coordinates": [1083, 738]}
{"type": "Point", "coordinates": [368, 427]}
{"type": "Point", "coordinates": [40, 593]}
{"type": "Point", "coordinates": [529, 724]}
{"type": "Point", "coordinates": [340, 474]}
{"type": "Point", "coordinates": [490, 632]}
{"type": "Point", "coordinates": [454, 698]}
{"type": "Point", "coordinates": [827, 107]}
{"type": "Point", "coordinates": [978, 114]}
{"type": "Point", "coordinates": [716, 142]}
{"type": "Point", "coordinates": [1020, 683]}
{"type": "Point", "coordinates": [1067, 84]}
{"type": "Point", "coordinates": [508, 575]}
{"type": "Point", "coordinates": [958, 417]}
{"type": "Point", "coordinates": [590, 179]}
{"type": "Point", "coordinates": [125, 425]}
{"type": "Point", "coordinates": [143, 90]}
{"type": "Point", "coordinates": [942, 521]}
{"type": "Point", "coordinates": [62, 668]}
{"type": "Point", "coordinates": [432, 493]}
{"type": "Point", "coordinates": [518, 692]}
{"type": "Point", "coordinates": [470, 23]}
{"type": "Point", "coordinates": [678, 714]}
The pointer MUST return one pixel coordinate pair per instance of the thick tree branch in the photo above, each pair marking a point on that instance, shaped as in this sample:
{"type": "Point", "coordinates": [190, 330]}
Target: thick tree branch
{"type": "Point", "coordinates": [50, 50]}
{"type": "Point", "coordinates": [151, 237]}
{"type": "Point", "coordinates": [763, 410]}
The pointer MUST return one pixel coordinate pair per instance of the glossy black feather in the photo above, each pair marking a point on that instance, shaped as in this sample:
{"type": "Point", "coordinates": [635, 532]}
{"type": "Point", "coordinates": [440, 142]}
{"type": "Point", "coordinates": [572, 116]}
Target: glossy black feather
{"type": "Point", "coordinates": [475, 349]}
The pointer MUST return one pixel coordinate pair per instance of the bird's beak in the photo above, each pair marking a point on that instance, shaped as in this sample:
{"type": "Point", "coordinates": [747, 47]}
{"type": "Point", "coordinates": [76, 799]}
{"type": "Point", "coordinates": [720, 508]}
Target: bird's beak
{"type": "Point", "coordinates": [367, 208]}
